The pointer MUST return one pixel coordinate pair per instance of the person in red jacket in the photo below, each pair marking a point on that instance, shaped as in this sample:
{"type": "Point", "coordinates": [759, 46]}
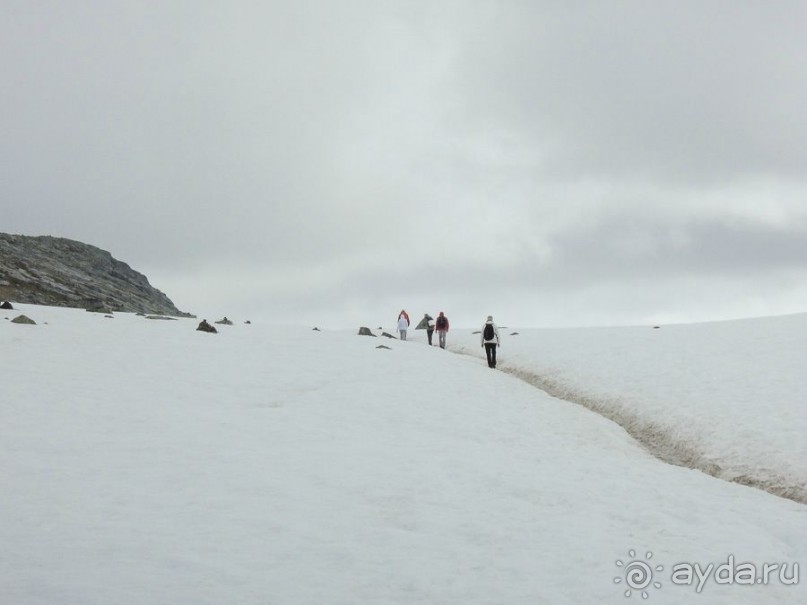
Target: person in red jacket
{"type": "Point", "coordinates": [441, 325]}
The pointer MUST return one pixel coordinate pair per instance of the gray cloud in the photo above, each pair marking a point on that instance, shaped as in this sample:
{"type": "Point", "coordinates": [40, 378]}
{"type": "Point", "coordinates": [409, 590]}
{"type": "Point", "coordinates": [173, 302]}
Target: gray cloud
{"type": "Point", "coordinates": [689, 91]}
{"type": "Point", "coordinates": [336, 160]}
{"type": "Point", "coordinates": [644, 248]}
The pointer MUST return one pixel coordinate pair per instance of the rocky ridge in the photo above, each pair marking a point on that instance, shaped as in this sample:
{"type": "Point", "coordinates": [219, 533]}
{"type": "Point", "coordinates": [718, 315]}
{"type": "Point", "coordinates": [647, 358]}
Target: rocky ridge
{"type": "Point", "coordinates": [45, 270]}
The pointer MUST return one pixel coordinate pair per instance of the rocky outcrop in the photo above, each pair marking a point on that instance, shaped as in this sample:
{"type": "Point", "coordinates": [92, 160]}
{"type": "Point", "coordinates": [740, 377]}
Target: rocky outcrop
{"type": "Point", "coordinates": [54, 271]}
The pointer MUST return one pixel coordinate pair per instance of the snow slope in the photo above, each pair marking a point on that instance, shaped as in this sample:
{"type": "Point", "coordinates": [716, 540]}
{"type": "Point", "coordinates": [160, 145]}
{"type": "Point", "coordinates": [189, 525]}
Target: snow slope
{"type": "Point", "coordinates": [145, 462]}
{"type": "Point", "coordinates": [729, 398]}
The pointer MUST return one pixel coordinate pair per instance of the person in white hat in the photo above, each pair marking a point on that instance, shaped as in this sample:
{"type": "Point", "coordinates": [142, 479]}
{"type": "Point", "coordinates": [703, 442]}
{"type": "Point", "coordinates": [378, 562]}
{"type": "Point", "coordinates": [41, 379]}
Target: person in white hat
{"type": "Point", "coordinates": [490, 340]}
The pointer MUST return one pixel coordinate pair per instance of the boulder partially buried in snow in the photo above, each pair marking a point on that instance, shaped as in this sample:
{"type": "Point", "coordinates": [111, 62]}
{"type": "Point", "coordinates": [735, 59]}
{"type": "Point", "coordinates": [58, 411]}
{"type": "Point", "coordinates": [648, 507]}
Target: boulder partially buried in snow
{"type": "Point", "coordinates": [206, 327]}
{"type": "Point", "coordinates": [93, 305]}
{"type": "Point", "coordinates": [7, 305]}
{"type": "Point", "coordinates": [22, 319]}
{"type": "Point", "coordinates": [224, 322]}
{"type": "Point", "coordinates": [365, 332]}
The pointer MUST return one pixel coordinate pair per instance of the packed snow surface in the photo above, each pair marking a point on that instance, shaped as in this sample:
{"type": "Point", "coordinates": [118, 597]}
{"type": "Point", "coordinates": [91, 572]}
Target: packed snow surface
{"type": "Point", "coordinates": [143, 462]}
{"type": "Point", "coordinates": [729, 398]}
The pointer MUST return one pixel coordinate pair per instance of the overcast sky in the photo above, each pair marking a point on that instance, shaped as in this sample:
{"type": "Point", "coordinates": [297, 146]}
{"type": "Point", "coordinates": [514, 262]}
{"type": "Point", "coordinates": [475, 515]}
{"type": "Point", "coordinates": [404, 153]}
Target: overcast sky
{"type": "Point", "coordinates": [552, 163]}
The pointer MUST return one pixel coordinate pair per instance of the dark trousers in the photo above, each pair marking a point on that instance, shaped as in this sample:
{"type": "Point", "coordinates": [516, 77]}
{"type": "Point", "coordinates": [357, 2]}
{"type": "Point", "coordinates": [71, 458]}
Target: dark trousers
{"type": "Point", "coordinates": [429, 334]}
{"type": "Point", "coordinates": [490, 351]}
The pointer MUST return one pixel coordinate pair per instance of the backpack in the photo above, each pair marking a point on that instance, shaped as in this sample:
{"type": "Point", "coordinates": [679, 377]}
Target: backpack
{"type": "Point", "coordinates": [489, 334]}
{"type": "Point", "coordinates": [441, 323]}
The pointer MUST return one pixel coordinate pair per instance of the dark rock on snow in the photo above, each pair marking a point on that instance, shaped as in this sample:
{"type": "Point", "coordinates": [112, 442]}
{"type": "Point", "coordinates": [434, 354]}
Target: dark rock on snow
{"type": "Point", "coordinates": [95, 305]}
{"type": "Point", "coordinates": [22, 319]}
{"type": "Point", "coordinates": [7, 305]}
{"type": "Point", "coordinates": [224, 322]}
{"type": "Point", "coordinates": [365, 332]}
{"type": "Point", "coordinates": [206, 327]}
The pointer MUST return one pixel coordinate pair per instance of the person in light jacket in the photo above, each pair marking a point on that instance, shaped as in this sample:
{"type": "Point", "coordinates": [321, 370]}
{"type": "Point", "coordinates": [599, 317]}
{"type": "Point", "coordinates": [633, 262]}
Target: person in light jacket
{"type": "Point", "coordinates": [403, 323]}
{"type": "Point", "coordinates": [490, 340]}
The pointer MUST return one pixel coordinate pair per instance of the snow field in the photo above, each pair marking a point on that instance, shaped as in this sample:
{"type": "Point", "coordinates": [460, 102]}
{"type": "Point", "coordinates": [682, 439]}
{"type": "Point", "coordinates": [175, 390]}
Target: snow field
{"type": "Point", "coordinates": [145, 462]}
{"type": "Point", "coordinates": [727, 398]}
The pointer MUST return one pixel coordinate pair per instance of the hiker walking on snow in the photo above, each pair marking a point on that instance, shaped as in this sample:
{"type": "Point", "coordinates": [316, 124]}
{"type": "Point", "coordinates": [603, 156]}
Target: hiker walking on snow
{"type": "Point", "coordinates": [429, 326]}
{"type": "Point", "coordinates": [442, 329]}
{"type": "Point", "coordinates": [403, 323]}
{"type": "Point", "coordinates": [490, 340]}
